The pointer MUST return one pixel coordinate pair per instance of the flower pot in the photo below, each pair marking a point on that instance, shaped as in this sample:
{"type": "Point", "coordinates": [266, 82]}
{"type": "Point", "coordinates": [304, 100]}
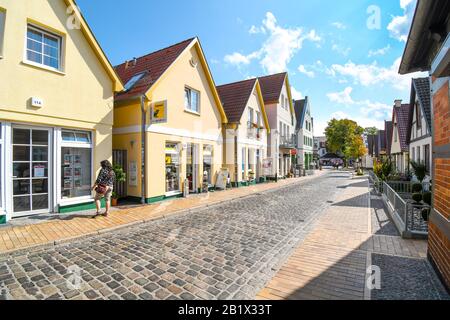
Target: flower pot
{"type": "Point", "coordinates": [114, 202]}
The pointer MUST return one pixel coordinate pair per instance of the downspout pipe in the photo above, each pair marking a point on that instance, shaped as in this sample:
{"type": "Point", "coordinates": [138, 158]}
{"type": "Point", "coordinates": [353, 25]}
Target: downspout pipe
{"type": "Point", "coordinates": [143, 153]}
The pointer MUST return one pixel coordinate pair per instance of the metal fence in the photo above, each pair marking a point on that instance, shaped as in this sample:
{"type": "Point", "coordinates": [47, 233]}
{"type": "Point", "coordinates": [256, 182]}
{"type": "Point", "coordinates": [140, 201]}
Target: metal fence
{"type": "Point", "coordinates": [410, 218]}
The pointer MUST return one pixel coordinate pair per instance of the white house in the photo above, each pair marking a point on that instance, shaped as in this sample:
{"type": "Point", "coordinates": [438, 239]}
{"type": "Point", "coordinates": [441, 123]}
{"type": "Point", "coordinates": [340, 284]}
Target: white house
{"type": "Point", "coordinates": [279, 105]}
{"type": "Point", "coordinates": [399, 145]}
{"type": "Point", "coordinates": [245, 146]}
{"type": "Point", "coordinates": [419, 133]}
{"type": "Point", "coordinates": [305, 132]}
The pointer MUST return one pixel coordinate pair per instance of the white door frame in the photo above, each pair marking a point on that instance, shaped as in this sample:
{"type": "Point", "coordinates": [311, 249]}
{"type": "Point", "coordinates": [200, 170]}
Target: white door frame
{"type": "Point", "coordinates": [50, 176]}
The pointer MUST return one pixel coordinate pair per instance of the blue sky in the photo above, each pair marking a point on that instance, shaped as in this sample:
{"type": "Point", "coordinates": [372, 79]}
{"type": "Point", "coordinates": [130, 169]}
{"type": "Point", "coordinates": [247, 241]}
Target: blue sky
{"type": "Point", "coordinates": [344, 55]}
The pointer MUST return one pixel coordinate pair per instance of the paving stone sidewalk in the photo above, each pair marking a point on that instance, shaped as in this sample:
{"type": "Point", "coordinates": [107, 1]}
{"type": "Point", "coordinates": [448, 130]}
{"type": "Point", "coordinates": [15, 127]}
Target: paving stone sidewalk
{"type": "Point", "coordinates": [225, 251]}
{"type": "Point", "coordinates": [353, 234]}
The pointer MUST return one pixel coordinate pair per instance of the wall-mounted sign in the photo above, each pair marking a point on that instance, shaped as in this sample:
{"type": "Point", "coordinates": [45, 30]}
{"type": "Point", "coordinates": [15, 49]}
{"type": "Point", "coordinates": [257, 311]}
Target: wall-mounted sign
{"type": "Point", "coordinates": [132, 174]}
{"type": "Point", "coordinates": [39, 171]}
{"type": "Point", "coordinates": [158, 112]}
{"type": "Point", "coordinates": [36, 102]}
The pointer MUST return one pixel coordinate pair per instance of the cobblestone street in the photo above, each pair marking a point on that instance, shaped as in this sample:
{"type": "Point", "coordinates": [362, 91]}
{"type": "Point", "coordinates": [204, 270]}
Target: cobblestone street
{"type": "Point", "coordinates": [229, 251]}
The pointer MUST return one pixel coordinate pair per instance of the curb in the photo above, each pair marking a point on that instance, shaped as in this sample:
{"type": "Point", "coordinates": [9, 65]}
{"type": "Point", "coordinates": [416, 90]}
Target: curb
{"type": "Point", "coordinates": [198, 209]}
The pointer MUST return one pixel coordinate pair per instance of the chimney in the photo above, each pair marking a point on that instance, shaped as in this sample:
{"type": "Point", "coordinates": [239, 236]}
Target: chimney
{"type": "Point", "coordinates": [398, 103]}
{"type": "Point", "coordinates": [134, 62]}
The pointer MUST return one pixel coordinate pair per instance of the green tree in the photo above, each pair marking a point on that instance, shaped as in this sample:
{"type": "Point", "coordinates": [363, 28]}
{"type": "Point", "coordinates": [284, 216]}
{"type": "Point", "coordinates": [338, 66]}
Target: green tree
{"type": "Point", "coordinates": [371, 131]}
{"type": "Point", "coordinates": [345, 138]}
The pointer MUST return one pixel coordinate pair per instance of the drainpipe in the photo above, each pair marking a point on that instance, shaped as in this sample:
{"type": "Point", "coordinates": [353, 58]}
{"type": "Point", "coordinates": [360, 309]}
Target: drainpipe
{"type": "Point", "coordinates": [143, 145]}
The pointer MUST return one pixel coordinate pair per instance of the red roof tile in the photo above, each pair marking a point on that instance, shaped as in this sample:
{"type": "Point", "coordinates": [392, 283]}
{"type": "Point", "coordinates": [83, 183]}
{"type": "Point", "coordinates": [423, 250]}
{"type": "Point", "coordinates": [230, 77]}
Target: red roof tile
{"type": "Point", "coordinates": [271, 86]}
{"type": "Point", "coordinates": [402, 114]}
{"type": "Point", "coordinates": [234, 98]}
{"type": "Point", "coordinates": [153, 65]}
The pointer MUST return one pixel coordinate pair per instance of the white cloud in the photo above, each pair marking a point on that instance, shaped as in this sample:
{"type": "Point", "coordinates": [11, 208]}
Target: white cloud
{"type": "Point", "coordinates": [362, 121]}
{"type": "Point", "coordinates": [374, 110]}
{"type": "Point", "coordinates": [256, 30]}
{"type": "Point", "coordinates": [379, 52]}
{"type": "Point", "coordinates": [302, 69]}
{"type": "Point", "coordinates": [341, 50]}
{"type": "Point", "coordinates": [239, 59]}
{"type": "Point", "coordinates": [399, 26]}
{"type": "Point", "coordinates": [296, 95]}
{"type": "Point", "coordinates": [371, 74]}
{"type": "Point", "coordinates": [339, 25]}
{"type": "Point", "coordinates": [343, 97]}
{"type": "Point", "coordinates": [278, 49]}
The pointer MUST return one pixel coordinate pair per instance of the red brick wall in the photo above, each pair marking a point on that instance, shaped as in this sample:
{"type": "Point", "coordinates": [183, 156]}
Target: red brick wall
{"type": "Point", "coordinates": [438, 243]}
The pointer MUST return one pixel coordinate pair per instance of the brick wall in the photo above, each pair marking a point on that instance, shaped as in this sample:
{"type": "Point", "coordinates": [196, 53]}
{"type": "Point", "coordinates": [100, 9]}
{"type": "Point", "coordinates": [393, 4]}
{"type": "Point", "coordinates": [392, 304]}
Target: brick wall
{"type": "Point", "coordinates": [439, 244]}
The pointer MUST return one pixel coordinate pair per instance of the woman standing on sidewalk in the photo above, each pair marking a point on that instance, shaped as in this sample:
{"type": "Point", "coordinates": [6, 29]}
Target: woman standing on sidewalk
{"type": "Point", "coordinates": [104, 186]}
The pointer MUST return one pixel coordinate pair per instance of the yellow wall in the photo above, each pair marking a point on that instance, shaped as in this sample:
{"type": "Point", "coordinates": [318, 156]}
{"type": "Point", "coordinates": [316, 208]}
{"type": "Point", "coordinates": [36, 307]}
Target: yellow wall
{"type": "Point", "coordinates": [182, 126]}
{"type": "Point", "coordinates": [80, 97]}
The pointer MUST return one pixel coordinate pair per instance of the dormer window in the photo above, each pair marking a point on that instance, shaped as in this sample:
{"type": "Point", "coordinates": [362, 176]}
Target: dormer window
{"type": "Point", "coordinates": [130, 84]}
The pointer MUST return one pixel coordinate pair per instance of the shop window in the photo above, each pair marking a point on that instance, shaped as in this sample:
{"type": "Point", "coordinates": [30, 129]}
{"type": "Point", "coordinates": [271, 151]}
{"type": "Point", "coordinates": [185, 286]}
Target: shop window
{"type": "Point", "coordinates": [192, 100]}
{"type": "Point", "coordinates": [207, 162]}
{"type": "Point", "coordinates": [173, 165]}
{"type": "Point", "coordinates": [43, 48]}
{"type": "Point", "coordinates": [76, 164]}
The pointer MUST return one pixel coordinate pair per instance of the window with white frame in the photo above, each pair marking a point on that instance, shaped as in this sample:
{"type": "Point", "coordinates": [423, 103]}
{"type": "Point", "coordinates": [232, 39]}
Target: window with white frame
{"type": "Point", "coordinates": [2, 29]}
{"type": "Point", "coordinates": [43, 48]}
{"type": "Point", "coordinates": [192, 100]}
{"type": "Point", "coordinates": [250, 118]}
{"type": "Point", "coordinates": [76, 164]}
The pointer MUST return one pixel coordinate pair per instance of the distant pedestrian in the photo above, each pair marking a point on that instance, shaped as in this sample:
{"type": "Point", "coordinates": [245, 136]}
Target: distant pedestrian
{"type": "Point", "coordinates": [104, 186]}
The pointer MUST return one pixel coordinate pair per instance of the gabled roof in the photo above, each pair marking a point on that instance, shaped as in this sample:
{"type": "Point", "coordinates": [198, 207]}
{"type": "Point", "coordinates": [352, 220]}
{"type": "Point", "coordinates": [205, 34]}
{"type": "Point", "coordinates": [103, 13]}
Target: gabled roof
{"type": "Point", "coordinates": [300, 107]}
{"type": "Point", "coordinates": [402, 115]}
{"type": "Point", "coordinates": [155, 65]}
{"type": "Point", "coordinates": [272, 87]}
{"type": "Point", "coordinates": [89, 35]}
{"type": "Point", "coordinates": [388, 127]}
{"type": "Point", "coordinates": [420, 88]}
{"type": "Point", "coordinates": [235, 97]}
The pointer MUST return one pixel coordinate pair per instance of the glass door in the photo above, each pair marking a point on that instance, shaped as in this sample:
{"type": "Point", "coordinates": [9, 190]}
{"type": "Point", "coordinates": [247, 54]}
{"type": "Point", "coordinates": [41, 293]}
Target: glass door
{"type": "Point", "coordinates": [30, 152]}
{"type": "Point", "coordinates": [192, 167]}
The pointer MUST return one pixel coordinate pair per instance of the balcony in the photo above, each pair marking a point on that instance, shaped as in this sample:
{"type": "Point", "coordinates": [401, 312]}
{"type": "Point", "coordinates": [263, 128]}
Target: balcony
{"type": "Point", "coordinates": [288, 142]}
{"type": "Point", "coordinates": [253, 132]}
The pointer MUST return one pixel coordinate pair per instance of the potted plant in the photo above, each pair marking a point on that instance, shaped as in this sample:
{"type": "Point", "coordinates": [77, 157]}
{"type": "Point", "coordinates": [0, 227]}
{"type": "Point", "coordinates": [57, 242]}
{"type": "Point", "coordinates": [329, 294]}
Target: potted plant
{"type": "Point", "coordinates": [121, 176]}
{"type": "Point", "coordinates": [420, 170]}
{"type": "Point", "coordinates": [114, 199]}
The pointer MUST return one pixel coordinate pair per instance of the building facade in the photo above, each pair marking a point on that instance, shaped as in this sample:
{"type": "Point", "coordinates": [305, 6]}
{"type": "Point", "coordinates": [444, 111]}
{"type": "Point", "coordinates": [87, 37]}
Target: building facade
{"type": "Point", "coordinates": [428, 49]}
{"type": "Point", "coordinates": [419, 135]}
{"type": "Point", "coordinates": [399, 145]}
{"type": "Point", "coordinates": [279, 105]}
{"type": "Point", "coordinates": [56, 108]}
{"type": "Point", "coordinates": [168, 123]}
{"type": "Point", "coordinates": [320, 147]}
{"type": "Point", "coordinates": [304, 130]}
{"type": "Point", "coordinates": [245, 140]}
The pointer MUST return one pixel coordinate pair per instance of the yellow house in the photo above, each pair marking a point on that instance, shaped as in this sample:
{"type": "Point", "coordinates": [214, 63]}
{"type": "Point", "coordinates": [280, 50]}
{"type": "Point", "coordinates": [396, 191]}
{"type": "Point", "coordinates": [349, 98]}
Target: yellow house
{"type": "Point", "coordinates": [168, 123]}
{"type": "Point", "coordinates": [246, 131]}
{"type": "Point", "coordinates": [56, 108]}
